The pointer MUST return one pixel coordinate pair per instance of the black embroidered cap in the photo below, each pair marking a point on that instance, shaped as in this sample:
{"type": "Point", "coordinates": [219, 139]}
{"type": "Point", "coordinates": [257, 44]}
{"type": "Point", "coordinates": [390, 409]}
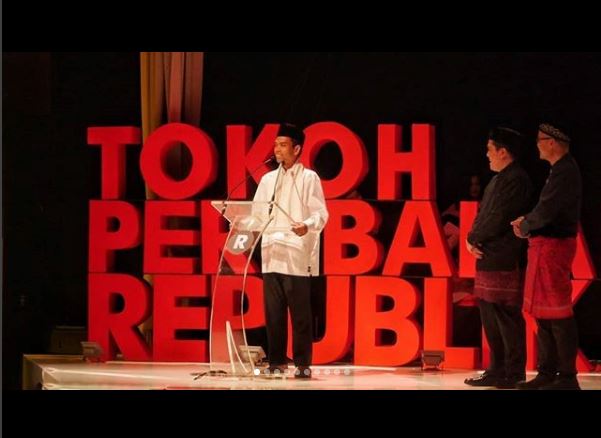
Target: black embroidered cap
{"type": "Point", "coordinates": [292, 131]}
{"type": "Point", "coordinates": [554, 132]}
{"type": "Point", "coordinates": [508, 138]}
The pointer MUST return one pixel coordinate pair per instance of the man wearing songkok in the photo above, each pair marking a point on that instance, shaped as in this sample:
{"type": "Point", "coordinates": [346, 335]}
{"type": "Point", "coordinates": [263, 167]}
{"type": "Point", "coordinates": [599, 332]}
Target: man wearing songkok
{"type": "Point", "coordinates": [551, 229]}
{"type": "Point", "coordinates": [290, 251]}
{"type": "Point", "coordinates": [500, 260]}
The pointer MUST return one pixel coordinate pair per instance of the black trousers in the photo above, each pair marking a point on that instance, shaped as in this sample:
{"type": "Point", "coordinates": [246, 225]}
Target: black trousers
{"type": "Point", "coordinates": [557, 341]}
{"type": "Point", "coordinates": [505, 331]}
{"type": "Point", "coordinates": [281, 292]}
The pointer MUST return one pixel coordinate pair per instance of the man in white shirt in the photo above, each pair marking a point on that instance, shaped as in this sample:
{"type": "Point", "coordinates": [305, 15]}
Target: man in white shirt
{"type": "Point", "coordinates": [290, 250]}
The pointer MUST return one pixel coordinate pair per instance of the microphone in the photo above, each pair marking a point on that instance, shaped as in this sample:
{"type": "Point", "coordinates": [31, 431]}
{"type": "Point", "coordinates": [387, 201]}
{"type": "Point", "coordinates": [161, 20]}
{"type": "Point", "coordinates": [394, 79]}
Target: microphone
{"type": "Point", "coordinates": [267, 161]}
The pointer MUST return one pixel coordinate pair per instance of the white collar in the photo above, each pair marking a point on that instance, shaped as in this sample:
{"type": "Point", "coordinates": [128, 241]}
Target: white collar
{"type": "Point", "coordinates": [294, 170]}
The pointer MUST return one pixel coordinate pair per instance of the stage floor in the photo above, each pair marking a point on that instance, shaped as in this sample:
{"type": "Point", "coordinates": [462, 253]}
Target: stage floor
{"type": "Point", "coordinates": [70, 372]}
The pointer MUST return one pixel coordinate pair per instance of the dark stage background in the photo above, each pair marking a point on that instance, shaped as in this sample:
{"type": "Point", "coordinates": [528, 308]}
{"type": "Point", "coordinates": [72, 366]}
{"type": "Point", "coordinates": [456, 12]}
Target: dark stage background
{"type": "Point", "coordinates": [49, 173]}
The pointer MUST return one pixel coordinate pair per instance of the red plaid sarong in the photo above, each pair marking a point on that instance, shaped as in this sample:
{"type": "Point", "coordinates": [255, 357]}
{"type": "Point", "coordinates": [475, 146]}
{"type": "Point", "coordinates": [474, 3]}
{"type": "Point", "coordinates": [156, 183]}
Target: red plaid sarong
{"type": "Point", "coordinates": [548, 286]}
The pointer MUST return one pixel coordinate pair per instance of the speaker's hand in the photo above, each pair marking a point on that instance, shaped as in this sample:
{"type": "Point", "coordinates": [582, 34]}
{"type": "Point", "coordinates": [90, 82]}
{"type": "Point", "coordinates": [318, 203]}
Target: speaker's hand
{"type": "Point", "coordinates": [299, 228]}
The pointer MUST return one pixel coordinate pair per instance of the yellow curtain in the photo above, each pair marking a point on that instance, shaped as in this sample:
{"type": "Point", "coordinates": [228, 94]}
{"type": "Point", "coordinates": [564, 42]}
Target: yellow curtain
{"type": "Point", "coordinates": [171, 91]}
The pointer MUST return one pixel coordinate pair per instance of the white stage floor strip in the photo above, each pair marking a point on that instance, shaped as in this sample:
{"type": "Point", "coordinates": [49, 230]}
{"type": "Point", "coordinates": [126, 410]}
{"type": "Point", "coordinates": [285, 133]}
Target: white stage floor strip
{"type": "Point", "coordinates": [70, 372]}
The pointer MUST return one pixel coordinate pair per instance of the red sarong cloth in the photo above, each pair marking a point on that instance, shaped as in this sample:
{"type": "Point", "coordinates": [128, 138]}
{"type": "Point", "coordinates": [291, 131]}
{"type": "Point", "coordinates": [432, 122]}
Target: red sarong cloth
{"type": "Point", "coordinates": [548, 285]}
{"type": "Point", "coordinates": [499, 287]}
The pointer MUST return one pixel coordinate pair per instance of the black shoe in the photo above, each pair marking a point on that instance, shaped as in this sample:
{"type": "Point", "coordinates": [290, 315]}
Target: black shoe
{"type": "Point", "coordinates": [563, 383]}
{"type": "Point", "coordinates": [303, 372]}
{"type": "Point", "coordinates": [485, 379]}
{"type": "Point", "coordinates": [539, 381]}
{"type": "Point", "coordinates": [276, 370]}
{"type": "Point", "coordinates": [509, 382]}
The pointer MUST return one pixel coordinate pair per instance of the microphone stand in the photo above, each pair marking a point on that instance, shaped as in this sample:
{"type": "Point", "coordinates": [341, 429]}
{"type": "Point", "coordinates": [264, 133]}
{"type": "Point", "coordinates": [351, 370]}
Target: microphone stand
{"type": "Point", "coordinates": [269, 160]}
{"type": "Point", "coordinates": [275, 187]}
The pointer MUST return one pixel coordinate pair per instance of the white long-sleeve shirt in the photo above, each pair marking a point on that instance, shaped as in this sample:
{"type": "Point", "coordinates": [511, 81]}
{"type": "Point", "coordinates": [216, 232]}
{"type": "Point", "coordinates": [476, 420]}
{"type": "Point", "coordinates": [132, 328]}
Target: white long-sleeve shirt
{"type": "Point", "coordinates": [300, 195]}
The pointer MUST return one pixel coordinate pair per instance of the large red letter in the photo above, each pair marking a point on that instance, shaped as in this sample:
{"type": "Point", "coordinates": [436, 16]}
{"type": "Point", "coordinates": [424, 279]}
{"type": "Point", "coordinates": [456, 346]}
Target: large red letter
{"type": "Point", "coordinates": [338, 238]}
{"type": "Point", "coordinates": [354, 157]}
{"type": "Point", "coordinates": [111, 327]}
{"type": "Point", "coordinates": [438, 325]}
{"type": "Point", "coordinates": [243, 158]}
{"type": "Point", "coordinates": [583, 272]}
{"type": "Point", "coordinates": [227, 300]}
{"type": "Point", "coordinates": [338, 335]}
{"type": "Point", "coordinates": [435, 252]}
{"type": "Point", "coordinates": [370, 320]}
{"type": "Point", "coordinates": [112, 142]}
{"type": "Point", "coordinates": [204, 160]}
{"type": "Point", "coordinates": [158, 238]}
{"type": "Point", "coordinates": [582, 267]}
{"type": "Point", "coordinates": [420, 162]}
{"type": "Point", "coordinates": [169, 317]}
{"type": "Point", "coordinates": [103, 239]}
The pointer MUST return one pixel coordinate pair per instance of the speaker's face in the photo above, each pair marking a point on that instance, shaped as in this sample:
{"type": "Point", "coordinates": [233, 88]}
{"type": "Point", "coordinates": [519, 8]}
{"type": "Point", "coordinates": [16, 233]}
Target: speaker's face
{"type": "Point", "coordinates": [285, 152]}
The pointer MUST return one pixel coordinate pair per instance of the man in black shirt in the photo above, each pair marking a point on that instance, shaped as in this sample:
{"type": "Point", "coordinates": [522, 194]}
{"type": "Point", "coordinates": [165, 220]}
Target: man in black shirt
{"type": "Point", "coordinates": [551, 228]}
{"type": "Point", "coordinates": [498, 281]}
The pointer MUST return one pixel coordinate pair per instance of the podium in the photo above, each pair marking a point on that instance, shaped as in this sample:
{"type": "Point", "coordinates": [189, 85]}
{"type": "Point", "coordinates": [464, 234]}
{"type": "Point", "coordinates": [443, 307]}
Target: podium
{"type": "Point", "coordinates": [230, 353]}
